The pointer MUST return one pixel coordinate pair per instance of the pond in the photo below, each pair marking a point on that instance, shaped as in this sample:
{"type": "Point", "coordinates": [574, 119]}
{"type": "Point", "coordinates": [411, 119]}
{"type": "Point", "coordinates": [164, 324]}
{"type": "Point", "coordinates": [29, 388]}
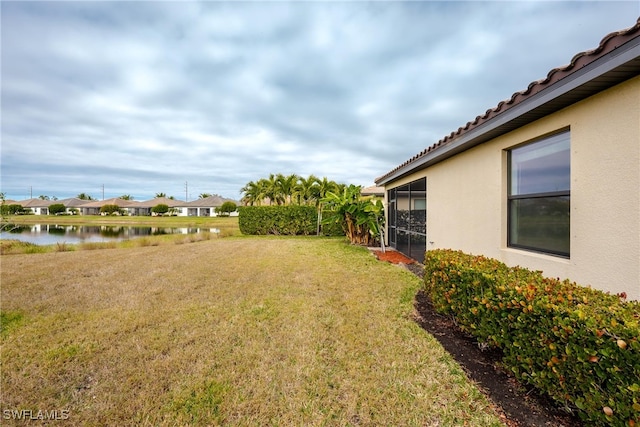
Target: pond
{"type": "Point", "coordinates": [50, 234]}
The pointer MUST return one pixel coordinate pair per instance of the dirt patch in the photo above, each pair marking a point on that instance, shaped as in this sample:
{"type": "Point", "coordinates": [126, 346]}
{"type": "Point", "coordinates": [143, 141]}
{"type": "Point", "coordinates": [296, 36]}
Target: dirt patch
{"type": "Point", "coordinates": [520, 406]}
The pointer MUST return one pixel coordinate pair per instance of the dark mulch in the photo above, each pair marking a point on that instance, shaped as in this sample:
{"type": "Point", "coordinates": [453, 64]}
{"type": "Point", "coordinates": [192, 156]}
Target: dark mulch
{"type": "Point", "coordinates": [519, 406]}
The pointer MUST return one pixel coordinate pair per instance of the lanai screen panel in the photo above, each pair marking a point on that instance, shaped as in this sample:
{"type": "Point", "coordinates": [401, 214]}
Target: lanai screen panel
{"type": "Point", "coordinates": [408, 219]}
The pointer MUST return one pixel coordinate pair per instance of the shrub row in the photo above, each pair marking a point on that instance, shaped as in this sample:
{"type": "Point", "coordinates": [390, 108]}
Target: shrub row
{"type": "Point", "coordinates": [577, 345]}
{"type": "Point", "coordinates": [285, 220]}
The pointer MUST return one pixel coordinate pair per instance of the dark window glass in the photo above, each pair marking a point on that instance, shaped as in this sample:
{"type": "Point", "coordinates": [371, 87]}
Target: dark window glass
{"type": "Point", "coordinates": [539, 195]}
{"type": "Point", "coordinates": [541, 223]}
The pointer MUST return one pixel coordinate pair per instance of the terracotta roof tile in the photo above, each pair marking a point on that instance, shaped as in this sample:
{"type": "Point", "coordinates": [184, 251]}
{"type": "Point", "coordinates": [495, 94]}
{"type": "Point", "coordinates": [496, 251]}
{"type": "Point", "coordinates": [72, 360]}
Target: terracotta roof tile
{"type": "Point", "coordinates": [609, 43]}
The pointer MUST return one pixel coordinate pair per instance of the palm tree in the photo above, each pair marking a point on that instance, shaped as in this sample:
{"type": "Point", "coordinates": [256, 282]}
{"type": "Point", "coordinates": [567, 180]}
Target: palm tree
{"type": "Point", "coordinates": [254, 193]}
{"type": "Point", "coordinates": [306, 191]}
{"type": "Point", "coordinates": [325, 186]}
{"type": "Point", "coordinates": [269, 186]}
{"type": "Point", "coordinates": [160, 195]}
{"type": "Point", "coordinates": [362, 217]}
{"type": "Point", "coordinates": [84, 196]}
{"type": "Point", "coordinates": [285, 187]}
{"type": "Point", "coordinates": [126, 197]}
{"type": "Point", "coordinates": [204, 195]}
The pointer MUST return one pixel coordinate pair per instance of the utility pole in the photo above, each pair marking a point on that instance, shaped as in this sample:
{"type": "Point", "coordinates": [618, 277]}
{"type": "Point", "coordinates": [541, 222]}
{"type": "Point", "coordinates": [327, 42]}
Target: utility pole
{"type": "Point", "coordinates": [31, 192]}
{"type": "Point", "coordinates": [186, 191]}
{"type": "Point", "coordinates": [102, 191]}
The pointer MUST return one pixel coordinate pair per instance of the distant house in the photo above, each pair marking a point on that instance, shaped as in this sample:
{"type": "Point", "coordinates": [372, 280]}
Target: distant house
{"type": "Point", "coordinates": [372, 191]}
{"type": "Point", "coordinates": [205, 206]}
{"type": "Point", "coordinates": [93, 207]}
{"type": "Point", "coordinates": [548, 179]}
{"type": "Point", "coordinates": [72, 204]}
{"type": "Point", "coordinates": [144, 208]}
{"type": "Point", "coordinates": [38, 206]}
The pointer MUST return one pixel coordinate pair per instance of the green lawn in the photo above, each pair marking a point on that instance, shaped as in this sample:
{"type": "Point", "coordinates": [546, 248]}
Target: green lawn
{"type": "Point", "coordinates": [230, 331]}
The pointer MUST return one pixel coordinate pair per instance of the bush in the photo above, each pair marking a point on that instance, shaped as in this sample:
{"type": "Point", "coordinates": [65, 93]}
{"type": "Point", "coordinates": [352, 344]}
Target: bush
{"type": "Point", "coordinates": [360, 217]}
{"type": "Point", "coordinates": [578, 345]}
{"type": "Point", "coordinates": [332, 228]}
{"type": "Point", "coordinates": [111, 210]}
{"type": "Point", "coordinates": [13, 209]}
{"type": "Point", "coordinates": [226, 208]}
{"type": "Point", "coordinates": [57, 208]}
{"type": "Point", "coordinates": [160, 209]}
{"type": "Point", "coordinates": [289, 220]}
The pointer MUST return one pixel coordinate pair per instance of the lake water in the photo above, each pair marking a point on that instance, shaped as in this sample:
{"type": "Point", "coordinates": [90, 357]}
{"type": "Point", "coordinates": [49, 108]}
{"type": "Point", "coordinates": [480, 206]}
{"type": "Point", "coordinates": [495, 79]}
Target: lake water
{"type": "Point", "coordinates": [50, 234]}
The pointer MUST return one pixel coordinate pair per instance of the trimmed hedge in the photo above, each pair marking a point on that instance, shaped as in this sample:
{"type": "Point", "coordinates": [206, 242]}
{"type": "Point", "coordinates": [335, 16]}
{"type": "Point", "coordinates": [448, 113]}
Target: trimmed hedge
{"type": "Point", "coordinates": [578, 345]}
{"type": "Point", "coordinates": [286, 220]}
{"type": "Point", "coordinates": [289, 220]}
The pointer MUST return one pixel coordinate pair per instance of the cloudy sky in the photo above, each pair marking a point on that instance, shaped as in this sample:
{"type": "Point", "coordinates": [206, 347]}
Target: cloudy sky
{"type": "Point", "coordinates": [144, 97]}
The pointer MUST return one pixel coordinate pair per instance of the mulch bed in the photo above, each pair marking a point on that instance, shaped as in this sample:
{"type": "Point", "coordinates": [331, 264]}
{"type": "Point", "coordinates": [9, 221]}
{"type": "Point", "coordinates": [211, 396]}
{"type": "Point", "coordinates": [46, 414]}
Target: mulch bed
{"type": "Point", "coordinates": [519, 406]}
{"type": "Point", "coordinates": [392, 256]}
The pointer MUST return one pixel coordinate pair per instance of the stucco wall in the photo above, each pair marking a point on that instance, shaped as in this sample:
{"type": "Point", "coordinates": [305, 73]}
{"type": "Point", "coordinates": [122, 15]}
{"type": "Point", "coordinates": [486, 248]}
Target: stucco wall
{"type": "Point", "coordinates": [467, 206]}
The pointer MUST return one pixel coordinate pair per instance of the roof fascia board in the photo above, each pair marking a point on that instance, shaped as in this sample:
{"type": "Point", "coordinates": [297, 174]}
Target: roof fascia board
{"type": "Point", "coordinates": [589, 72]}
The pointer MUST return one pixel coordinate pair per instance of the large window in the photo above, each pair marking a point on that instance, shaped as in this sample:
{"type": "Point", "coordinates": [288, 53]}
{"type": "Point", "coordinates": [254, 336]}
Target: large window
{"type": "Point", "coordinates": [408, 219]}
{"type": "Point", "coordinates": [539, 195]}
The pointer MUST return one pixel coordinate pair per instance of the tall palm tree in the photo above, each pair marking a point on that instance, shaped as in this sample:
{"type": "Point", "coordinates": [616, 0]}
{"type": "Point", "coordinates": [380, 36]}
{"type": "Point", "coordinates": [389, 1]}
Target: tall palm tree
{"type": "Point", "coordinates": [285, 187]}
{"type": "Point", "coordinates": [306, 190]}
{"type": "Point", "coordinates": [159, 195]}
{"type": "Point", "coordinates": [126, 197]}
{"type": "Point", "coordinates": [270, 187]}
{"type": "Point", "coordinates": [325, 186]}
{"type": "Point", "coordinates": [254, 193]}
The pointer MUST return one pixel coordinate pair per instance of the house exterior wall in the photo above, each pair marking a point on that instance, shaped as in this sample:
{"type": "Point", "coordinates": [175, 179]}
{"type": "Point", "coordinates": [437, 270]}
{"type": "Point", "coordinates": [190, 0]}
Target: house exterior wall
{"type": "Point", "coordinates": [467, 194]}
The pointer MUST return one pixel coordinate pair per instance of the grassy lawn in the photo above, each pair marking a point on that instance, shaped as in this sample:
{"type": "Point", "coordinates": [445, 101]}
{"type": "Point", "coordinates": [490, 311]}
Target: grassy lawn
{"type": "Point", "coordinates": [233, 331]}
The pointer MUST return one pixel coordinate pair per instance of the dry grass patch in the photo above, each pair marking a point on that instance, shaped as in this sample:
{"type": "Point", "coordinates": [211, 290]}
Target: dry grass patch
{"type": "Point", "coordinates": [238, 331]}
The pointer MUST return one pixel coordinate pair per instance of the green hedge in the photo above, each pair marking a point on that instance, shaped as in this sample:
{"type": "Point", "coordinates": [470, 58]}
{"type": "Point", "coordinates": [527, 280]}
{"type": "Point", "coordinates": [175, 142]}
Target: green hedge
{"type": "Point", "coordinates": [288, 220]}
{"type": "Point", "coordinates": [578, 345]}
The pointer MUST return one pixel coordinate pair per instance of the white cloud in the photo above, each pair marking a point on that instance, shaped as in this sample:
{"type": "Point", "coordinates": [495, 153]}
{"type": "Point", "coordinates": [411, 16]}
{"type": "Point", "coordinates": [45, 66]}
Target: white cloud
{"type": "Point", "coordinates": [142, 97]}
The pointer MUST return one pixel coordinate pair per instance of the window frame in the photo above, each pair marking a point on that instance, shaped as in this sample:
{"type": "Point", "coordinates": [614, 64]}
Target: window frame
{"type": "Point", "coordinates": [536, 195]}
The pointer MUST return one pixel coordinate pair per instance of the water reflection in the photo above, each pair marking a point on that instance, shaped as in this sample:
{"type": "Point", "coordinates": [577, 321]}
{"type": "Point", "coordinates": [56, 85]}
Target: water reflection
{"type": "Point", "coordinates": [49, 234]}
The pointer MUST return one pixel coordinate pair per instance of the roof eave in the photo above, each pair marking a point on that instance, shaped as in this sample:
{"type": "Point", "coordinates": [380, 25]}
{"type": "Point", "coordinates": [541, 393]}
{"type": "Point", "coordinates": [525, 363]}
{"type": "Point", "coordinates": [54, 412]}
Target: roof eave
{"type": "Point", "coordinates": [609, 70]}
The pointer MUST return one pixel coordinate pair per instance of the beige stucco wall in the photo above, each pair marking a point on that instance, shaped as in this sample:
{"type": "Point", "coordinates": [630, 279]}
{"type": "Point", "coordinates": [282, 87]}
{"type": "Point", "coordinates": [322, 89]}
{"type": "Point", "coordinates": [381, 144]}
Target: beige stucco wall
{"type": "Point", "coordinates": [467, 207]}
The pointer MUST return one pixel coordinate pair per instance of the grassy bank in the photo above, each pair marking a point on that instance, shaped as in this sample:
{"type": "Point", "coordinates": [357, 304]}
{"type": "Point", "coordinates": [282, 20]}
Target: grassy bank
{"type": "Point", "coordinates": [236, 331]}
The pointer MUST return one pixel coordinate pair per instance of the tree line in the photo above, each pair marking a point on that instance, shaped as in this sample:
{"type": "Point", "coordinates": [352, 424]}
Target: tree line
{"type": "Point", "coordinates": [279, 189]}
{"type": "Point", "coordinates": [88, 197]}
{"type": "Point", "coordinates": [361, 217]}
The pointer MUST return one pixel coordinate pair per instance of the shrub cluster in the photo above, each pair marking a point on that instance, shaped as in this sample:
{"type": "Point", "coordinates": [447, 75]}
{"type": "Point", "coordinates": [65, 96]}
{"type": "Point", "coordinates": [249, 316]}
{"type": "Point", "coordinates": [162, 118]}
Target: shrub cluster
{"type": "Point", "coordinates": [14, 210]}
{"type": "Point", "coordinates": [578, 345]}
{"type": "Point", "coordinates": [288, 220]}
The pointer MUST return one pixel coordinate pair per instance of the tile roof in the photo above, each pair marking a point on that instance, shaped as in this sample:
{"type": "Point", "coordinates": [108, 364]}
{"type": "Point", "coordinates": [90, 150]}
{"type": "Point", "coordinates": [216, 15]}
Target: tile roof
{"type": "Point", "coordinates": [208, 202]}
{"type": "Point", "coordinates": [73, 202]}
{"type": "Point", "coordinates": [114, 201]}
{"type": "Point", "coordinates": [607, 45]}
{"type": "Point", "coordinates": [372, 191]}
{"type": "Point", "coordinates": [36, 203]}
{"type": "Point", "coordinates": [161, 200]}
